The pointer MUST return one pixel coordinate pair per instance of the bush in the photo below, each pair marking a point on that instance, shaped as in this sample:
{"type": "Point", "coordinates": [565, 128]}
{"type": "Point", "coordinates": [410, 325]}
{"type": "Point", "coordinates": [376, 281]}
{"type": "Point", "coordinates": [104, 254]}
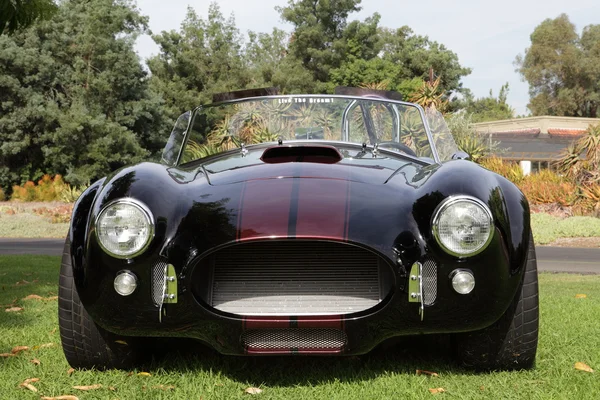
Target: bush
{"type": "Point", "coordinates": [547, 187]}
{"type": "Point", "coordinates": [2, 195]}
{"type": "Point", "coordinates": [47, 189]}
{"type": "Point", "coordinates": [509, 170]}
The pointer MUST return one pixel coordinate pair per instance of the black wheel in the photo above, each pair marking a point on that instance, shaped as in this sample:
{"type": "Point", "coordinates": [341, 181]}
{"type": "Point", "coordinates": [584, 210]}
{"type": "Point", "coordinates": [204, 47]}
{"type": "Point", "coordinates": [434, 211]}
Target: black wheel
{"type": "Point", "coordinates": [85, 344]}
{"type": "Point", "coordinates": [511, 342]}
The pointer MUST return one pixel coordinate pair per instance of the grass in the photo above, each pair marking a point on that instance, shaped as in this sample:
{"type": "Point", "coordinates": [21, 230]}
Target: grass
{"type": "Point", "coordinates": [569, 334]}
{"type": "Point", "coordinates": [25, 225]}
{"type": "Point", "coordinates": [547, 228]}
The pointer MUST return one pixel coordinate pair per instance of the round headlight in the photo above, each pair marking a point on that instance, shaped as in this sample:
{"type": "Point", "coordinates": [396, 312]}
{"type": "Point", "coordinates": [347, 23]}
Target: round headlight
{"type": "Point", "coordinates": [124, 228]}
{"type": "Point", "coordinates": [463, 226]}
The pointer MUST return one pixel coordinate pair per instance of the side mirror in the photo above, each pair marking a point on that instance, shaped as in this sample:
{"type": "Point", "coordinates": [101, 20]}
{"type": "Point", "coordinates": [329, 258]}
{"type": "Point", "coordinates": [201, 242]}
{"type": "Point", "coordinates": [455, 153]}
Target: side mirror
{"type": "Point", "coordinates": [172, 149]}
{"type": "Point", "coordinates": [460, 155]}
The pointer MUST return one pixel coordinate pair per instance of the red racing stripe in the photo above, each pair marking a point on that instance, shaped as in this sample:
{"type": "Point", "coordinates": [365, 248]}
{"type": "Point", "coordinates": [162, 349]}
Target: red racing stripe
{"type": "Point", "coordinates": [322, 209]}
{"type": "Point", "coordinates": [265, 209]}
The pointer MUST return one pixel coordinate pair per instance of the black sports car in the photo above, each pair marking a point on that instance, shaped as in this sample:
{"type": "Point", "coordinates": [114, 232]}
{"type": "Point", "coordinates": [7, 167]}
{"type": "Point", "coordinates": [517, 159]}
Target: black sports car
{"type": "Point", "coordinates": [302, 224]}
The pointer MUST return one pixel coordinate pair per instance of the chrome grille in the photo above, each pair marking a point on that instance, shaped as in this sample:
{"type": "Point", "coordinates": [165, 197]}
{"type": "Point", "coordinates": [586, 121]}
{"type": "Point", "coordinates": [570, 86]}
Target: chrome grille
{"type": "Point", "coordinates": [295, 278]}
{"type": "Point", "coordinates": [158, 282]}
{"type": "Point", "coordinates": [304, 339]}
{"type": "Point", "coordinates": [429, 277]}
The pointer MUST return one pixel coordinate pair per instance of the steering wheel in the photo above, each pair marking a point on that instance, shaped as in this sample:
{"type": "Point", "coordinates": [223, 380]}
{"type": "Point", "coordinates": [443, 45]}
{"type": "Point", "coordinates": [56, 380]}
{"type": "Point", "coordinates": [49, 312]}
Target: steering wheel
{"type": "Point", "coordinates": [400, 147]}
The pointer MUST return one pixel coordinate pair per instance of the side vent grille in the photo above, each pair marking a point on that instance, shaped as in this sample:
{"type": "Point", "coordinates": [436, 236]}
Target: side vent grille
{"type": "Point", "coordinates": [429, 276]}
{"type": "Point", "coordinates": [158, 282]}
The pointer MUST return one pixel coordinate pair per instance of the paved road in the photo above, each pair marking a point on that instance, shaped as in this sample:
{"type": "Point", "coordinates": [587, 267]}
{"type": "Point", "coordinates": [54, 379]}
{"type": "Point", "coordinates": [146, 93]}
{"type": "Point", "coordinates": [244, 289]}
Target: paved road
{"type": "Point", "coordinates": [50, 247]}
{"type": "Point", "coordinates": [552, 259]}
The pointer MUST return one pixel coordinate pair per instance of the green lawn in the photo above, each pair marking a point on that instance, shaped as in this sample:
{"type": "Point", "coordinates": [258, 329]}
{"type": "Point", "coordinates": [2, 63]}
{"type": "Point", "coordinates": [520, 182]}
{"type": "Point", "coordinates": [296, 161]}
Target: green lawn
{"type": "Point", "coordinates": [547, 228]}
{"type": "Point", "coordinates": [569, 334]}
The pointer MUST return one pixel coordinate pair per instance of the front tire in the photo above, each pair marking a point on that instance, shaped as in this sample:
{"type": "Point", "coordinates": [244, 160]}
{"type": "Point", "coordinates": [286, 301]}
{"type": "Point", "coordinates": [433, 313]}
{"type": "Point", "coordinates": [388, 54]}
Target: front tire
{"type": "Point", "coordinates": [85, 344]}
{"type": "Point", "coordinates": [511, 342]}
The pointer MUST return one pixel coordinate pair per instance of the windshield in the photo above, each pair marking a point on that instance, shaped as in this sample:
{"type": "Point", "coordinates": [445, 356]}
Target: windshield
{"type": "Point", "coordinates": [392, 125]}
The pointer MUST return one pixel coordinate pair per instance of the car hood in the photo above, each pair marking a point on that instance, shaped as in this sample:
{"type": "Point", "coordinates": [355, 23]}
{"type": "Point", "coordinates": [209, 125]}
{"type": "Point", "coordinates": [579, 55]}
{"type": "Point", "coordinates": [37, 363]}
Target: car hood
{"type": "Point", "coordinates": [317, 162]}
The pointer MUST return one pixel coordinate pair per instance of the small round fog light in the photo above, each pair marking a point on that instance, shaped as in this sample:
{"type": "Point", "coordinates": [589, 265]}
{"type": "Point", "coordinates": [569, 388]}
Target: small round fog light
{"type": "Point", "coordinates": [125, 283]}
{"type": "Point", "coordinates": [463, 281]}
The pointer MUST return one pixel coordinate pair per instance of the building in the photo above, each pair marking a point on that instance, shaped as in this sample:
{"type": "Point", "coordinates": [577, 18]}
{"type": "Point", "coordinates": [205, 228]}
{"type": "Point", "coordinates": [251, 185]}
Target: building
{"type": "Point", "coordinates": [540, 140]}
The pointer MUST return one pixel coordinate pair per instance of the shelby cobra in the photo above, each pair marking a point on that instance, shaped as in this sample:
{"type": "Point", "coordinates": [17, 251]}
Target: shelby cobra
{"type": "Point", "coordinates": [302, 224]}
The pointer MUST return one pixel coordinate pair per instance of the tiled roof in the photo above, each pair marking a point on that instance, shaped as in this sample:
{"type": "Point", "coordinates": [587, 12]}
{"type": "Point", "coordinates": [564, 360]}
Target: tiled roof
{"type": "Point", "coordinates": [565, 131]}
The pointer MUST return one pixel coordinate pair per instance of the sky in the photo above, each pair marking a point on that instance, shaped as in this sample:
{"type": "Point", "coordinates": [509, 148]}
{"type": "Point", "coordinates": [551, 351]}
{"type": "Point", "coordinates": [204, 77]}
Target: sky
{"type": "Point", "coordinates": [486, 35]}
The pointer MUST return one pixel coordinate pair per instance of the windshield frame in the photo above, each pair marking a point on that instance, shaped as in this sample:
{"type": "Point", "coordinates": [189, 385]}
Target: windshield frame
{"type": "Point", "coordinates": [353, 99]}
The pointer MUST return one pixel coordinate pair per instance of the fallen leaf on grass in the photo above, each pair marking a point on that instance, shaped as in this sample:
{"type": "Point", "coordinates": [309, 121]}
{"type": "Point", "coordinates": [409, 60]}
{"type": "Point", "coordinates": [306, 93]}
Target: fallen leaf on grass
{"type": "Point", "coordinates": [18, 349]}
{"type": "Point", "coordinates": [51, 298]}
{"type": "Point", "coordinates": [29, 386]}
{"type": "Point", "coordinates": [14, 309]}
{"type": "Point", "coordinates": [70, 371]}
{"type": "Point", "coordinates": [437, 390]}
{"type": "Point", "coordinates": [43, 346]}
{"type": "Point", "coordinates": [90, 387]}
{"type": "Point", "coordinates": [580, 296]}
{"type": "Point", "coordinates": [33, 297]}
{"type": "Point", "coordinates": [22, 282]}
{"type": "Point", "coordinates": [35, 361]}
{"type": "Point", "coordinates": [5, 355]}
{"type": "Point", "coordinates": [65, 397]}
{"type": "Point", "coordinates": [121, 342]}
{"type": "Point", "coordinates": [429, 373]}
{"type": "Point", "coordinates": [144, 374]}
{"type": "Point", "coordinates": [583, 367]}
{"type": "Point", "coordinates": [164, 387]}
{"type": "Point", "coordinates": [253, 390]}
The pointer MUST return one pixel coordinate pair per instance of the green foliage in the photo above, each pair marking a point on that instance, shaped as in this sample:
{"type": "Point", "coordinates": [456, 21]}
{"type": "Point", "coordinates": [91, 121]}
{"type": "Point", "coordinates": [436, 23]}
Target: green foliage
{"type": "Point", "coordinates": [485, 108]}
{"type": "Point", "coordinates": [476, 145]}
{"type": "Point", "coordinates": [562, 69]}
{"type": "Point", "coordinates": [203, 58]}
{"type": "Point", "coordinates": [19, 14]}
{"type": "Point", "coordinates": [2, 195]}
{"type": "Point", "coordinates": [74, 98]}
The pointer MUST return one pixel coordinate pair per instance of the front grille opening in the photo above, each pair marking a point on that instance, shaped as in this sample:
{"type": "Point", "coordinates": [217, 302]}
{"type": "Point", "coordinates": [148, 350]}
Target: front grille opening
{"type": "Point", "coordinates": [292, 278]}
{"type": "Point", "coordinates": [294, 339]}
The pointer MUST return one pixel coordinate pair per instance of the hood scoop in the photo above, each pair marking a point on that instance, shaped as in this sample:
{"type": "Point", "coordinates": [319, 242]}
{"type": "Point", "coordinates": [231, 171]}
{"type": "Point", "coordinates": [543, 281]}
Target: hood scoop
{"type": "Point", "coordinates": [307, 154]}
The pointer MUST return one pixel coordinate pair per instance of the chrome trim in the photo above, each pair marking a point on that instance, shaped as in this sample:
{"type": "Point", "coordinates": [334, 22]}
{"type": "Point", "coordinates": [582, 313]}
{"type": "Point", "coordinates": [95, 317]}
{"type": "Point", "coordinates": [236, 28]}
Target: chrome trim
{"type": "Point", "coordinates": [125, 272]}
{"type": "Point", "coordinates": [463, 271]}
{"type": "Point", "coordinates": [455, 199]}
{"type": "Point", "coordinates": [145, 210]}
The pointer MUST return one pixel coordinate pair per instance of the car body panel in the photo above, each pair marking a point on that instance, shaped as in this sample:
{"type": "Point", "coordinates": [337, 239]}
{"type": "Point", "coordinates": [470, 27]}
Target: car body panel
{"type": "Point", "coordinates": [383, 205]}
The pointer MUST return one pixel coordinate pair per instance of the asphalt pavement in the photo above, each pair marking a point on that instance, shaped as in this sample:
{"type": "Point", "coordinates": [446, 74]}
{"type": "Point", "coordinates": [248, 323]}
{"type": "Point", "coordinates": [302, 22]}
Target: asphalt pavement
{"type": "Point", "coordinates": [550, 259]}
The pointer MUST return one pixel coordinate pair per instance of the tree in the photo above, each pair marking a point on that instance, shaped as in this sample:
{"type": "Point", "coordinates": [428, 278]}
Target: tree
{"type": "Point", "coordinates": [342, 53]}
{"type": "Point", "coordinates": [19, 14]}
{"type": "Point", "coordinates": [74, 98]}
{"type": "Point", "coordinates": [205, 57]}
{"type": "Point", "coordinates": [488, 108]}
{"type": "Point", "coordinates": [562, 69]}
{"type": "Point", "coordinates": [319, 39]}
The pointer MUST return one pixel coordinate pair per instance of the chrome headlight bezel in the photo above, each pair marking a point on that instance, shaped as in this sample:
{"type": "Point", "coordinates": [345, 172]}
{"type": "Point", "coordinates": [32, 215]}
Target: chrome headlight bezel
{"type": "Point", "coordinates": [451, 201]}
{"type": "Point", "coordinates": [147, 215]}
